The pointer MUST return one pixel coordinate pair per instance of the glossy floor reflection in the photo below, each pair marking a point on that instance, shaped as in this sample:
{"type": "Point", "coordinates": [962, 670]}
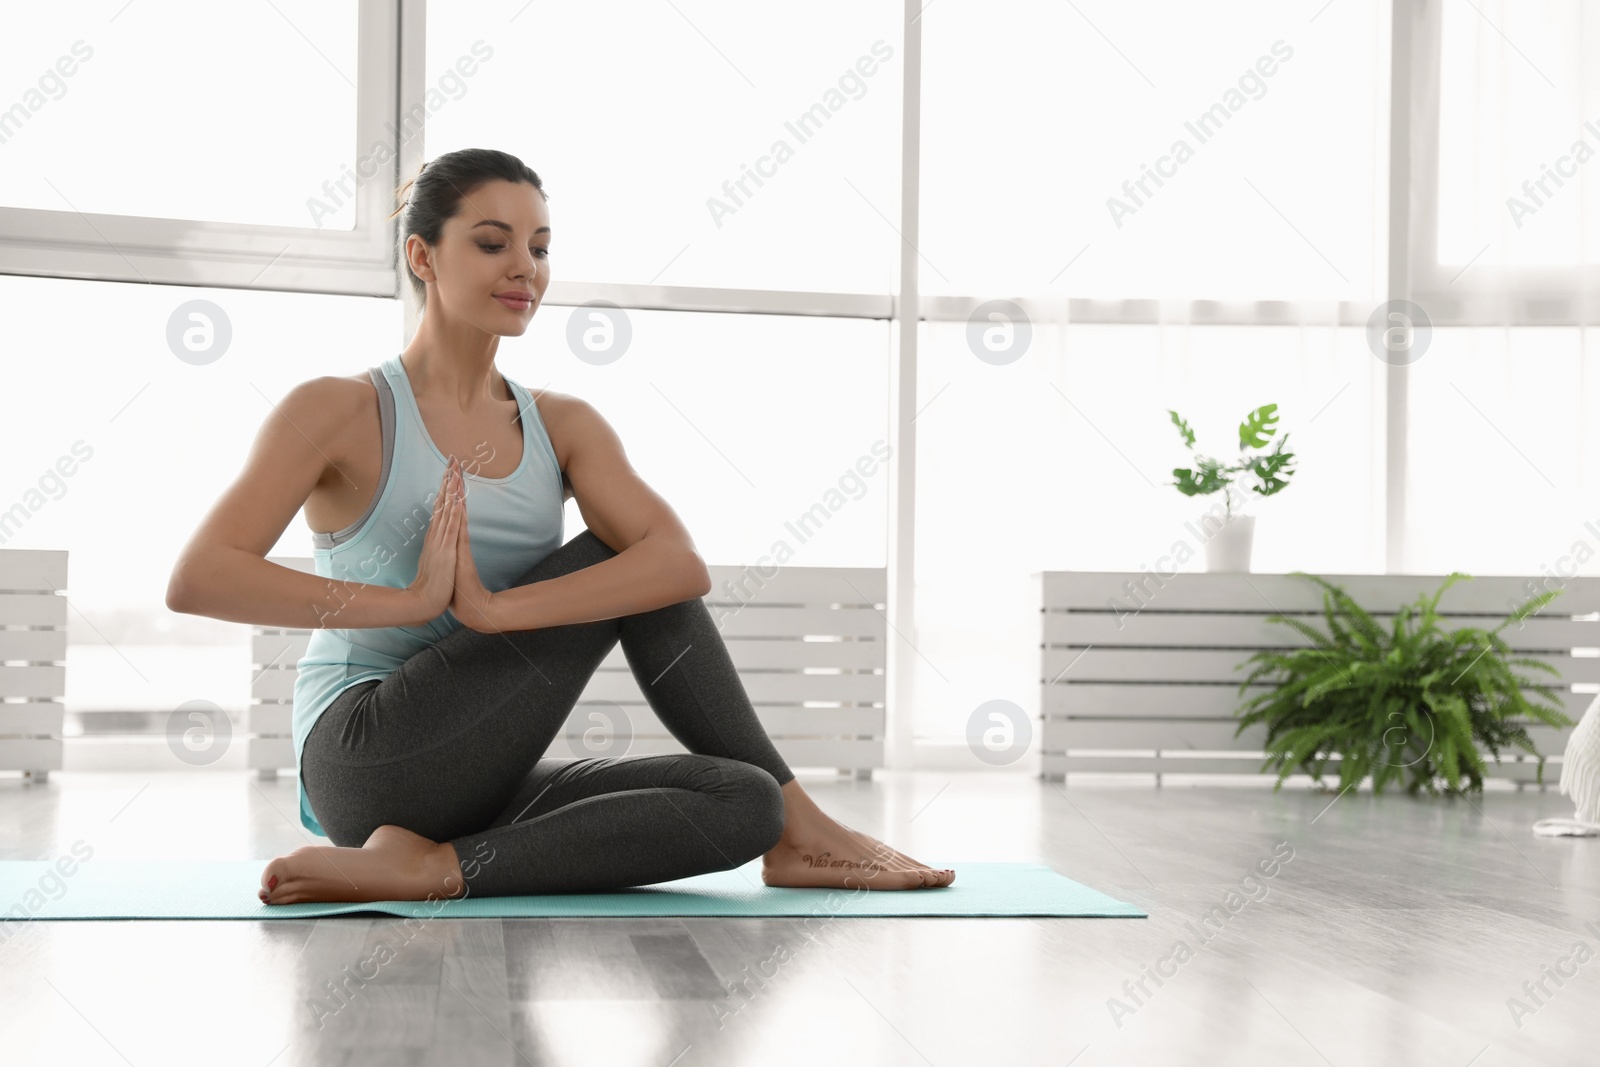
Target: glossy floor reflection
{"type": "Point", "coordinates": [1391, 930]}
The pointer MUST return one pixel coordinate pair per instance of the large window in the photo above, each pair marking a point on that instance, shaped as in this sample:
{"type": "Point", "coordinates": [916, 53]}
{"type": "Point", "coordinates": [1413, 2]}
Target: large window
{"type": "Point", "coordinates": [241, 146]}
{"type": "Point", "coordinates": [1501, 223]}
{"type": "Point", "coordinates": [1212, 199]}
{"type": "Point", "coordinates": [1502, 452]}
{"type": "Point", "coordinates": [1192, 206]}
{"type": "Point", "coordinates": [1169, 151]}
{"type": "Point", "coordinates": [694, 144]}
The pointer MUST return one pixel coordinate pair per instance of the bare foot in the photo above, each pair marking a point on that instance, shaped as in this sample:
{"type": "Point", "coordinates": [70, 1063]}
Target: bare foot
{"type": "Point", "coordinates": [817, 851]}
{"type": "Point", "coordinates": [393, 864]}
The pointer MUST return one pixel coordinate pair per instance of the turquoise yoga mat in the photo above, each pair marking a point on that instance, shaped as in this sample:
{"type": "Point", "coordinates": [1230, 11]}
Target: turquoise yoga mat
{"type": "Point", "coordinates": [226, 889]}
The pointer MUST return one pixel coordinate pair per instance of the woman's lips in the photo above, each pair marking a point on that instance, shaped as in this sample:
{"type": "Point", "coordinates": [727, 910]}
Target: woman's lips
{"type": "Point", "coordinates": [516, 303]}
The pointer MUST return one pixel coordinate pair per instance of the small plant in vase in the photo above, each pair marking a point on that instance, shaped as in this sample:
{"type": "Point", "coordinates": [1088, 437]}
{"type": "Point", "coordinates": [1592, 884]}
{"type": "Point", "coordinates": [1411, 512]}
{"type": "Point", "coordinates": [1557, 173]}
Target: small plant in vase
{"type": "Point", "coordinates": [1230, 534]}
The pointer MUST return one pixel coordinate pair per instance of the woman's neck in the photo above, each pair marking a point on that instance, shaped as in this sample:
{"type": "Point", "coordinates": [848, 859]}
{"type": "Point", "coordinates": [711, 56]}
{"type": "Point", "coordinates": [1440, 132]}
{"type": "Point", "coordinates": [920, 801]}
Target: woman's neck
{"type": "Point", "coordinates": [460, 368]}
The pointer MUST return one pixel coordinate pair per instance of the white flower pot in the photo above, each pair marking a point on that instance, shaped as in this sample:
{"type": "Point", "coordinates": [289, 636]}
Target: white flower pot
{"type": "Point", "coordinates": [1229, 548]}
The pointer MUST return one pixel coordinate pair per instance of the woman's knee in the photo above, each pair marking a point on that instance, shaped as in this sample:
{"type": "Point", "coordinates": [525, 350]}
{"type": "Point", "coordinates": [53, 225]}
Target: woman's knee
{"type": "Point", "coordinates": [757, 798]}
{"type": "Point", "coordinates": [584, 550]}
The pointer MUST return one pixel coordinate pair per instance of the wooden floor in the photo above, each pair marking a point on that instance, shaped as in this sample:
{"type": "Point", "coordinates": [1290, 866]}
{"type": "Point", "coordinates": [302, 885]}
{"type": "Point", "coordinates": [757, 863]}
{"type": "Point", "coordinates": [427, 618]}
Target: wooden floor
{"type": "Point", "coordinates": [1395, 933]}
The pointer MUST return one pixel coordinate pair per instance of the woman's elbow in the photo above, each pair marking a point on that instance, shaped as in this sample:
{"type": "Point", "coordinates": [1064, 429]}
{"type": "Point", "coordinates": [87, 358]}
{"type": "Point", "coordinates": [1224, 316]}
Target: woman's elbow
{"type": "Point", "coordinates": [178, 592]}
{"type": "Point", "coordinates": [702, 582]}
{"type": "Point", "coordinates": [181, 586]}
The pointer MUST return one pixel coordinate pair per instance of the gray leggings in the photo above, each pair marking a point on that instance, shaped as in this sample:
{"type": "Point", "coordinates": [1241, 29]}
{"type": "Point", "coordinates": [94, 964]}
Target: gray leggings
{"type": "Point", "coordinates": [452, 746]}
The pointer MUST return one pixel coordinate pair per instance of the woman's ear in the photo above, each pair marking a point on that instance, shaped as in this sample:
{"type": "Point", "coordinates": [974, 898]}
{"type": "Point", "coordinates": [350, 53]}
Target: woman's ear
{"type": "Point", "coordinates": [420, 257]}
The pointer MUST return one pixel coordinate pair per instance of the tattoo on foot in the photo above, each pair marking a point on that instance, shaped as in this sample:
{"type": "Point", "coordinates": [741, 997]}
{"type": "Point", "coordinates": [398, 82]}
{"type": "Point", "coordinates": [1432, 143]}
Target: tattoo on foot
{"type": "Point", "coordinates": [823, 861]}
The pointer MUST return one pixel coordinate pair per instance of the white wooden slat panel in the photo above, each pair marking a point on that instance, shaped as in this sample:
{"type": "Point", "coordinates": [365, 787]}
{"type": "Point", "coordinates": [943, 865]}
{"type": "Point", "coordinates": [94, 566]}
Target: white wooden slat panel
{"type": "Point", "coordinates": [1525, 769]}
{"type": "Point", "coordinates": [277, 649]}
{"type": "Point", "coordinates": [270, 753]}
{"type": "Point", "coordinates": [1062, 735]}
{"type": "Point", "coordinates": [33, 639]}
{"type": "Point", "coordinates": [1188, 701]}
{"type": "Point", "coordinates": [1230, 763]}
{"type": "Point", "coordinates": [47, 682]}
{"type": "Point", "coordinates": [1217, 630]}
{"type": "Point", "coordinates": [32, 570]}
{"type": "Point", "coordinates": [759, 620]}
{"type": "Point", "coordinates": [30, 719]}
{"type": "Point", "coordinates": [45, 706]}
{"type": "Point", "coordinates": [270, 719]}
{"type": "Point", "coordinates": [1165, 678]}
{"type": "Point", "coordinates": [1054, 766]}
{"type": "Point", "coordinates": [39, 646]}
{"type": "Point", "coordinates": [736, 586]}
{"type": "Point", "coordinates": [273, 684]}
{"type": "Point", "coordinates": [798, 655]}
{"type": "Point", "coordinates": [32, 609]}
{"type": "Point", "coordinates": [274, 653]}
{"type": "Point", "coordinates": [1206, 591]}
{"type": "Point", "coordinates": [1165, 700]}
{"type": "Point", "coordinates": [1217, 665]}
{"type": "Point", "coordinates": [31, 754]}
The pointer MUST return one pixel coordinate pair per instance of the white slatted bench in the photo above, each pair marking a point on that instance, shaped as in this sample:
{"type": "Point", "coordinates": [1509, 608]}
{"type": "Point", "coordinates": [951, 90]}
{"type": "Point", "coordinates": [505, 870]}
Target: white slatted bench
{"type": "Point", "coordinates": [1154, 689]}
{"type": "Point", "coordinates": [33, 660]}
{"type": "Point", "coordinates": [809, 644]}
{"type": "Point", "coordinates": [274, 655]}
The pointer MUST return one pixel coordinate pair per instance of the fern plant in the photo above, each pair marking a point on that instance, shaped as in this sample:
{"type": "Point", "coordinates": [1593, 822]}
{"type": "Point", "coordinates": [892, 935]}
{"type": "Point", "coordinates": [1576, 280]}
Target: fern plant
{"type": "Point", "coordinates": [1413, 698]}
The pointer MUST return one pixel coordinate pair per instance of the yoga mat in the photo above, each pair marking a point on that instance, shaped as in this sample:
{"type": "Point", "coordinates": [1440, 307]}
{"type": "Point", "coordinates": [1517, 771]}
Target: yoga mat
{"type": "Point", "coordinates": [226, 889]}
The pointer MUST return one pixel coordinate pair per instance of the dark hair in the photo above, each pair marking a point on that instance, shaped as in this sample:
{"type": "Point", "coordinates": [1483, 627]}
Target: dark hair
{"type": "Point", "coordinates": [432, 196]}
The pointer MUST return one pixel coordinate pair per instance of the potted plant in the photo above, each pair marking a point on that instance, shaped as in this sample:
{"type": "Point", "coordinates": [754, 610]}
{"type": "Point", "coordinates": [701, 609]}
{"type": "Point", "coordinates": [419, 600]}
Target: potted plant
{"type": "Point", "coordinates": [1413, 699]}
{"type": "Point", "coordinates": [1228, 541]}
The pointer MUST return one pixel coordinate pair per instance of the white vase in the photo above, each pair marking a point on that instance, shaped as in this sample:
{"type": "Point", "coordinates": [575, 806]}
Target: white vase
{"type": "Point", "coordinates": [1229, 548]}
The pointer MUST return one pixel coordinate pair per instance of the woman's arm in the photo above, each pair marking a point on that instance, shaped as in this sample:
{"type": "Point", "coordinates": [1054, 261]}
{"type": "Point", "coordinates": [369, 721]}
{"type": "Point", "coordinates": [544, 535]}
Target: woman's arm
{"type": "Point", "coordinates": [656, 562]}
{"type": "Point", "coordinates": [223, 572]}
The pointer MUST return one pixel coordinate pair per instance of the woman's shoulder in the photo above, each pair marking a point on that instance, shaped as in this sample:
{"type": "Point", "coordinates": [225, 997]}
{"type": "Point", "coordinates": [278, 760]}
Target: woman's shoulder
{"type": "Point", "coordinates": [329, 409]}
{"type": "Point", "coordinates": [331, 388]}
{"type": "Point", "coordinates": [556, 412]}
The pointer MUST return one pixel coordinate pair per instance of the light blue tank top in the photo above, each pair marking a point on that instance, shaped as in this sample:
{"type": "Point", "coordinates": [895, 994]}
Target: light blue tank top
{"type": "Point", "coordinates": [514, 522]}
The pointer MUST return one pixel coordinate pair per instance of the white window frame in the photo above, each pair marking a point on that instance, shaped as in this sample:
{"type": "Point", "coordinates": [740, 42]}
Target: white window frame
{"type": "Point", "coordinates": [357, 262]}
{"type": "Point", "coordinates": [1453, 295]}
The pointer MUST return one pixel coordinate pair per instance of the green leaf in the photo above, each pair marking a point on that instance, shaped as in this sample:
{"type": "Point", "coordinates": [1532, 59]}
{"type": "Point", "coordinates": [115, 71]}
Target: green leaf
{"type": "Point", "coordinates": [1273, 469]}
{"type": "Point", "coordinates": [1208, 479]}
{"type": "Point", "coordinates": [1533, 605]}
{"type": "Point", "coordinates": [1257, 426]}
{"type": "Point", "coordinates": [1451, 579]}
{"type": "Point", "coordinates": [1317, 638]}
{"type": "Point", "coordinates": [1183, 428]}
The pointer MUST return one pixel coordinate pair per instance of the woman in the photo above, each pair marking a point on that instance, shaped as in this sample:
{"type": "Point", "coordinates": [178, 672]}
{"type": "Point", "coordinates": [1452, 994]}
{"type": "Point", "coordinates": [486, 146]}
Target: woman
{"type": "Point", "coordinates": [453, 636]}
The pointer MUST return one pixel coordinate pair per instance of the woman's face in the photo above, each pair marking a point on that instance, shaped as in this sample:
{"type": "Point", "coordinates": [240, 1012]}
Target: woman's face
{"type": "Point", "coordinates": [496, 247]}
